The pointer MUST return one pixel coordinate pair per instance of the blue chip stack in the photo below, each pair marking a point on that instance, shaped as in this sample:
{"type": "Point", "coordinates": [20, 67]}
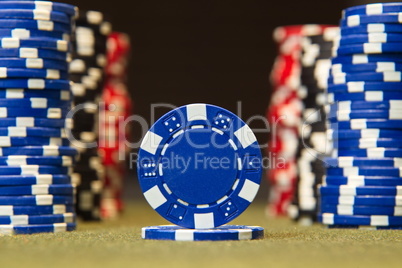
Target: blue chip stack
{"type": "Point", "coordinates": [36, 192]}
{"type": "Point", "coordinates": [363, 182]}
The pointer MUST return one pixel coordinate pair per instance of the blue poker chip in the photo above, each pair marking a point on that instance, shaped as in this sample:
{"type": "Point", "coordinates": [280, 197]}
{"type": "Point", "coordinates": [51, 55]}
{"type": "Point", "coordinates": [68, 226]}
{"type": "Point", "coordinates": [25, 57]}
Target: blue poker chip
{"type": "Point", "coordinates": [362, 181]}
{"type": "Point", "coordinates": [372, 28]}
{"type": "Point", "coordinates": [36, 122]}
{"type": "Point", "coordinates": [33, 132]}
{"type": "Point", "coordinates": [44, 179]}
{"type": "Point", "coordinates": [222, 233]}
{"type": "Point", "coordinates": [367, 105]}
{"type": "Point", "coordinates": [39, 151]}
{"type": "Point", "coordinates": [50, 113]}
{"type": "Point", "coordinates": [377, 220]}
{"type": "Point", "coordinates": [35, 210]}
{"type": "Point", "coordinates": [345, 115]}
{"type": "Point", "coordinates": [364, 228]}
{"type": "Point", "coordinates": [35, 84]}
{"type": "Point", "coordinates": [16, 160]}
{"type": "Point", "coordinates": [372, 9]}
{"type": "Point", "coordinates": [36, 14]}
{"type": "Point", "coordinates": [370, 38]}
{"type": "Point", "coordinates": [33, 73]}
{"type": "Point", "coordinates": [64, 95]}
{"type": "Point", "coordinates": [60, 189]}
{"type": "Point", "coordinates": [35, 103]}
{"type": "Point", "coordinates": [36, 63]}
{"type": "Point", "coordinates": [369, 48]}
{"type": "Point", "coordinates": [349, 190]}
{"type": "Point", "coordinates": [199, 197]}
{"type": "Point", "coordinates": [36, 200]}
{"type": "Point", "coordinates": [40, 5]}
{"type": "Point", "coordinates": [36, 24]}
{"type": "Point", "coordinates": [362, 161]}
{"type": "Point", "coordinates": [6, 141]}
{"type": "Point", "coordinates": [371, 152]}
{"type": "Point", "coordinates": [371, 67]}
{"type": "Point", "coordinates": [361, 210]}
{"type": "Point", "coordinates": [357, 20]}
{"type": "Point", "coordinates": [367, 124]}
{"type": "Point", "coordinates": [368, 143]}
{"type": "Point", "coordinates": [365, 86]}
{"type": "Point", "coordinates": [11, 42]}
{"type": "Point", "coordinates": [368, 200]}
{"type": "Point", "coordinates": [23, 220]}
{"type": "Point", "coordinates": [22, 33]}
{"type": "Point", "coordinates": [364, 59]}
{"type": "Point", "coordinates": [364, 96]}
{"type": "Point", "coordinates": [387, 76]}
{"type": "Point", "coordinates": [33, 53]}
{"type": "Point", "coordinates": [362, 134]}
{"type": "Point", "coordinates": [34, 170]}
{"type": "Point", "coordinates": [37, 228]}
{"type": "Point", "coordinates": [365, 171]}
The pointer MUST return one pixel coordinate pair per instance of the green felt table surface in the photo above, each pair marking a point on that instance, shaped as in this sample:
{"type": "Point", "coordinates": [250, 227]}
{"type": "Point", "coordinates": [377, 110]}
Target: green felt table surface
{"type": "Point", "coordinates": [118, 243]}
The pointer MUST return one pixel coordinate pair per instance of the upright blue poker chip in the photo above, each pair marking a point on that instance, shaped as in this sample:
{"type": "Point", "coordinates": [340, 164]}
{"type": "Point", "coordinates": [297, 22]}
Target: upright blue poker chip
{"type": "Point", "coordinates": [23, 220]}
{"type": "Point", "coordinates": [39, 151]}
{"type": "Point", "coordinates": [367, 96]}
{"type": "Point", "coordinates": [357, 20]}
{"type": "Point", "coordinates": [367, 200]}
{"type": "Point", "coordinates": [363, 180]}
{"type": "Point", "coordinates": [372, 9]}
{"type": "Point", "coordinates": [362, 161]}
{"type": "Point", "coordinates": [22, 33]}
{"type": "Point", "coordinates": [361, 210]}
{"type": "Point", "coordinates": [222, 233]}
{"type": "Point", "coordinates": [24, 121]}
{"type": "Point", "coordinates": [50, 113]}
{"type": "Point", "coordinates": [371, 152]}
{"type": "Point", "coordinates": [387, 76]}
{"type": "Point", "coordinates": [378, 220]}
{"type": "Point", "coordinates": [36, 200]}
{"type": "Point", "coordinates": [364, 59]}
{"type": "Point", "coordinates": [37, 228]}
{"type": "Point", "coordinates": [367, 124]}
{"type": "Point", "coordinates": [34, 170]}
{"type": "Point", "coordinates": [33, 73]}
{"type": "Point", "coordinates": [367, 105]}
{"type": "Point", "coordinates": [36, 25]}
{"type": "Point", "coordinates": [35, 84]}
{"type": "Point", "coordinates": [346, 115]}
{"type": "Point", "coordinates": [36, 63]}
{"type": "Point", "coordinates": [33, 53]}
{"type": "Point", "coordinates": [6, 141]}
{"type": "Point", "coordinates": [362, 134]}
{"type": "Point", "coordinates": [369, 48]}
{"type": "Point", "coordinates": [33, 132]}
{"type": "Point", "coordinates": [64, 95]}
{"type": "Point", "coordinates": [365, 86]}
{"type": "Point", "coordinates": [36, 14]}
{"type": "Point", "coordinates": [202, 194]}
{"type": "Point", "coordinates": [40, 5]}
{"type": "Point", "coordinates": [370, 38]}
{"type": "Point", "coordinates": [372, 67]}
{"type": "Point", "coordinates": [368, 143]}
{"type": "Point", "coordinates": [348, 190]}
{"type": "Point", "coordinates": [15, 160]}
{"type": "Point", "coordinates": [59, 45]}
{"type": "Point", "coordinates": [365, 171]}
{"type": "Point", "coordinates": [372, 28]}
{"type": "Point", "coordinates": [60, 189]}
{"type": "Point", "coordinates": [43, 179]}
{"type": "Point", "coordinates": [35, 103]}
{"type": "Point", "coordinates": [35, 210]}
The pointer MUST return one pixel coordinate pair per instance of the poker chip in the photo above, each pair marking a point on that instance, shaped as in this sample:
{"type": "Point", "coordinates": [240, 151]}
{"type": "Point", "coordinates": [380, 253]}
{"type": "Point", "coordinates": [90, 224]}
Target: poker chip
{"type": "Point", "coordinates": [342, 134]}
{"type": "Point", "coordinates": [346, 115]}
{"type": "Point", "coordinates": [364, 96]}
{"type": "Point", "coordinates": [42, 25]}
{"type": "Point", "coordinates": [371, 9]}
{"type": "Point", "coordinates": [363, 181]}
{"type": "Point", "coordinates": [347, 190]}
{"type": "Point", "coordinates": [23, 180]}
{"type": "Point", "coordinates": [373, 28]}
{"type": "Point", "coordinates": [375, 220]}
{"type": "Point", "coordinates": [38, 200]}
{"type": "Point", "coordinates": [370, 38]}
{"type": "Point", "coordinates": [36, 228]}
{"type": "Point", "coordinates": [223, 233]}
{"type": "Point", "coordinates": [13, 160]}
{"type": "Point", "coordinates": [49, 113]}
{"type": "Point", "coordinates": [34, 103]}
{"type": "Point", "coordinates": [368, 143]}
{"type": "Point", "coordinates": [357, 20]}
{"type": "Point", "coordinates": [177, 194]}
{"type": "Point", "coordinates": [11, 42]}
{"type": "Point", "coordinates": [367, 124]}
{"type": "Point", "coordinates": [362, 86]}
{"type": "Point", "coordinates": [35, 14]}
{"type": "Point", "coordinates": [371, 152]}
{"type": "Point", "coordinates": [362, 161]}
{"type": "Point", "coordinates": [367, 200]}
{"type": "Point", "coordinates": [64, 95]}
{"type": "Point", "coordinates": [361, 210]}
{"type": "Point", "coordinates": [6, 141]}
{"type": "Point", "coordinates": [387, 76]}
{"type": "Point", "coordinates": [382, 60]}
{"type": "Point", "coordinates": [61, 189]}
{"type": "Point", "coordinates": [35, 84]}
{"type": "Point", "coordinates": [34, 63]}
{"type": "Point", "coordinates": [33, 170]}
{"type": "Point", "coordinates": [22, 33]}
{"type": "Point", "coordinates": [361, 105]}
{"type": "Point", "coordinates": [31, 73]}
{"type": "Point", "coordinates": [22, 220]}
{"type": "Point", "coordinates": [364, 171]}
{"type": "Point", "coordinates": [34, 53]}
{"type": "Point", "coordinates": [36, 122]}
{"type": "Point", "coordinates": [364, 227]}
{"type": "Point", "coordinates": [40, 5]}
{"type": "Point", "coordinates": [35, 210]}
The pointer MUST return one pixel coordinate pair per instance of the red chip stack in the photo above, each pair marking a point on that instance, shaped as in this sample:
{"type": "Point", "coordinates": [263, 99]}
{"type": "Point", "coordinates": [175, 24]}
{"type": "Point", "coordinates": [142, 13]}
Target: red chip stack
{"type": "Point", "coordinates": [117, 106]}
{"type": "Point", "coordinates": [284, 115]}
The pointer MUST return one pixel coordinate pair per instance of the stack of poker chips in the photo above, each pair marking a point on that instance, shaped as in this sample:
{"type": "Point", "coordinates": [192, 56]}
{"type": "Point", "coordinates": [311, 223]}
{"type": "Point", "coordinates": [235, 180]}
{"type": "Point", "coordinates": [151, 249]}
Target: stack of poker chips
{"type": "Point", "coordinates": [114, 132]}
{"type": "Point", "coordinates": [36, 192]}
{"type": "Point", "coordinates": [201, 197]}
{"type": "Point", "coordinates": [284, 114]}
{"type": "Point", "coordinates": [313, 145]}
{"type": "Point", "coordinates": [87, 73]}
{"type": "Point", "coordinates": [365, 96]}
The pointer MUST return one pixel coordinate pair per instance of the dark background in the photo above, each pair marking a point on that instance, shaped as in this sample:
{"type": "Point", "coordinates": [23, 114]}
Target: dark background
{"type": "Point", "coordinates": [218, 52]}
